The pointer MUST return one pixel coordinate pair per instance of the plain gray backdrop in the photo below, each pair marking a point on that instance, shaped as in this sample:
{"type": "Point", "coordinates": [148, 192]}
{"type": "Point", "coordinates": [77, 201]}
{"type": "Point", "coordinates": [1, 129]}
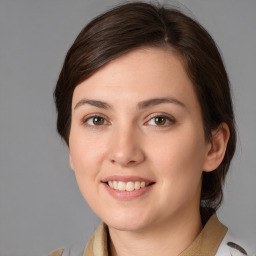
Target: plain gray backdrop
{"type": "Point", "coordinates": [40, 205]}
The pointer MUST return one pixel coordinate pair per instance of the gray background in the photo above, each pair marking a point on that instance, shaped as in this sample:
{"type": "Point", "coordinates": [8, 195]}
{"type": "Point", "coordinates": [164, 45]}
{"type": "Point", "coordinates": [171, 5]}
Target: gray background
{"type": "Point", "coordinates": [41, 206]}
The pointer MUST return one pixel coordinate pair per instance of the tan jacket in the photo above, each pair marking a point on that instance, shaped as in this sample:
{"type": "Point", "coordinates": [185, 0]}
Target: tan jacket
{"type": "Point", "coordinates": [212, 240]}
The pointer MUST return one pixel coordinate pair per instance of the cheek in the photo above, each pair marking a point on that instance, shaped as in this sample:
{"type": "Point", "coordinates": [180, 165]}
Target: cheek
{"type": "Point", "coordinates": [86, 153]}
{"type": "Point", "coordinates": [179, 149]}
{"type": "Point", "coordinates": [179, 159]}
{"type": "Point", "coordinates": [180, 174]}
{"type": "Point", "coordinates": [85, 149]}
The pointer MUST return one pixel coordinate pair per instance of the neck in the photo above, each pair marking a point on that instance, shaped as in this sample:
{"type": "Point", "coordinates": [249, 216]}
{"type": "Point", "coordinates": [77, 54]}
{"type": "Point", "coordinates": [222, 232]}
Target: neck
{"type": "Point", "coordinates": [168, 237]}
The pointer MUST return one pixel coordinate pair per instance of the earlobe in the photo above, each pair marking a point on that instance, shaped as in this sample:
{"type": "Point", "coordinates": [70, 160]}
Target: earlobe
{"type": "Point", "coordinates": [217, 147]}
{"type": "Point", "coordinates": [71, 162]}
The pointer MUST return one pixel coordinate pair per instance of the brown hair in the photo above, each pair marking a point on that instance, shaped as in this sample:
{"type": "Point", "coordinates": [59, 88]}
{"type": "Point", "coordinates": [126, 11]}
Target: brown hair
{"type": "Point", "coordinates": [138, 24]}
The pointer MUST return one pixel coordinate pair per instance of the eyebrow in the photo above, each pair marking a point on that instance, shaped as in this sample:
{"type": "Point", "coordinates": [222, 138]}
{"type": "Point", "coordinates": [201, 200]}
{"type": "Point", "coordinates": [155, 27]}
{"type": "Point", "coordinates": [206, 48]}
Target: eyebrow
{"type": "Point", "coordinates": [95, 103]}
{"type": "Point", "coordinates": [141, 105]}
{"type": "Point", "coordinates": [157, 101]}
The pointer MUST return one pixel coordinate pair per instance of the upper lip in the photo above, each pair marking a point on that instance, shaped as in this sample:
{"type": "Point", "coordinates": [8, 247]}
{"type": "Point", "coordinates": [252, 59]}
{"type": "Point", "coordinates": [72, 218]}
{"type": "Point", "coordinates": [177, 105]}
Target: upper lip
{"type": "Point", "coordinates": [126, 178]}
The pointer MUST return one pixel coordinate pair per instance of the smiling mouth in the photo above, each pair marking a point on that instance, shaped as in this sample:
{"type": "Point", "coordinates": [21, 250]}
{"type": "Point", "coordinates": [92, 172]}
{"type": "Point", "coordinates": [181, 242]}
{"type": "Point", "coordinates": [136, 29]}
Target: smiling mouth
{"type": "Point", "coordinates": [128, 186]}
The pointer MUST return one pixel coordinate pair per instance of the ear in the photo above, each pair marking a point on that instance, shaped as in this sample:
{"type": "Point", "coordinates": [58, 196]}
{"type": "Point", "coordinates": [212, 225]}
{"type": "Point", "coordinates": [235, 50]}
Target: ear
{"type": "Point", "coordinates": [71, 162]}
{"type": "Point", "coordinates": [216, 147]}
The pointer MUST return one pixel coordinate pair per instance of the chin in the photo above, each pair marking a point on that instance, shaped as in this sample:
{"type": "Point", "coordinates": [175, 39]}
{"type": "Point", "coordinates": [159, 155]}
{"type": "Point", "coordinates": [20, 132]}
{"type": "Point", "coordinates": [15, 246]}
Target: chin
{"type": "Point", "coordinates": [132, 227]}
{"type": "Point", "coordinates": [128, 222]}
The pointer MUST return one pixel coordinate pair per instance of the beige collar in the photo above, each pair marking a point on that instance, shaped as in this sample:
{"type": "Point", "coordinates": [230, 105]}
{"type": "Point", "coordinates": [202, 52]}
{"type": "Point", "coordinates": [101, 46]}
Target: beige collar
{"type": "Point", "coordinates": [208, 240]}
{"type": "Point", "coordinates": [205, 244]}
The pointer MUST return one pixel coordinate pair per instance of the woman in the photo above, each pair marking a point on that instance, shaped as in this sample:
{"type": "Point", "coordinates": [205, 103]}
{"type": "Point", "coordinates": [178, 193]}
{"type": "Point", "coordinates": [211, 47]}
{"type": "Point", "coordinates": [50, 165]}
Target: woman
{"type": "Point", "coordinates": [144, 105]}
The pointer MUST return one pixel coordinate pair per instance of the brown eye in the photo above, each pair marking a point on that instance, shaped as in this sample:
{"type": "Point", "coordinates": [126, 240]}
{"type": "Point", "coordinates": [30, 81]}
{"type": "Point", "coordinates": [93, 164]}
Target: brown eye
{"type": "Point", "coordinates": [160, 120]}
{"type": "Point", "coordinates": [95, 121]}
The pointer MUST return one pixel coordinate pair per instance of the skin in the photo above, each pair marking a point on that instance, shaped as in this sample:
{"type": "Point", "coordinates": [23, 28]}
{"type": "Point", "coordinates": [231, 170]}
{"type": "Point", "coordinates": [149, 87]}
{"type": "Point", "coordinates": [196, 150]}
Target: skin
{"type": "Point", "coordinates": [128, 141]}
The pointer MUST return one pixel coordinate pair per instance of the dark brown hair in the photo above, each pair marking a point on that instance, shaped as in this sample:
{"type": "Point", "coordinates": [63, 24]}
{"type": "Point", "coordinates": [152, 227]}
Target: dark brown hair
{"type": "Point", "coordinates": [138, 24]}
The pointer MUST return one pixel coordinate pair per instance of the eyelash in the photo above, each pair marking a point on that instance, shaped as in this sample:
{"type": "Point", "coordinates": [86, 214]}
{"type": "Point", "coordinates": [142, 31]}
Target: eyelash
{"type": "Point", "coordinates": [169, 119]}
{"type": "Point", "coordinates": [85, 121]}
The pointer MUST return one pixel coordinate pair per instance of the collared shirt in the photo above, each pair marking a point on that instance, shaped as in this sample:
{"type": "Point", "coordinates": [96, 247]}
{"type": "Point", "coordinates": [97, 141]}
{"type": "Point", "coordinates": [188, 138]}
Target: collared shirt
{"type": "Point", "coordinates": [214, 239]}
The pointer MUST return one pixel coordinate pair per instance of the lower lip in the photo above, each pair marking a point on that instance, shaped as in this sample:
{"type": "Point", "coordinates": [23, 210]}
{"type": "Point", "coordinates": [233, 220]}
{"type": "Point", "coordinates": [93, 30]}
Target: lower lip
{"type": "Point", "coordinates": [127, 195]}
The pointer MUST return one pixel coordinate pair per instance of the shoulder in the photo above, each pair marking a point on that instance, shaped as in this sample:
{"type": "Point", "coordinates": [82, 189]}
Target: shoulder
{"type": "Point", "coordinates": [97, 242]}
{"type": "Point", "coordinates": [74, 250]}
{"type": "Point", "coordinates": [231, 245]}
{"type": "Point", "coordinates": [58, 252]}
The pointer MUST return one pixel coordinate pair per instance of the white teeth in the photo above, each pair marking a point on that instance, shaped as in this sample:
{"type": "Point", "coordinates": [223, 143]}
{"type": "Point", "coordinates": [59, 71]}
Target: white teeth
{"type": "Point", "coordinates": [137, 185]}
{"type": "Point", "coordinates": [115, 184]}
{"type": "Point", "coordinates": [110, 183]}
{"type": "Point", "coordinates": [127, 186]}
{"type": "Point", "coordinates": [121, 186]}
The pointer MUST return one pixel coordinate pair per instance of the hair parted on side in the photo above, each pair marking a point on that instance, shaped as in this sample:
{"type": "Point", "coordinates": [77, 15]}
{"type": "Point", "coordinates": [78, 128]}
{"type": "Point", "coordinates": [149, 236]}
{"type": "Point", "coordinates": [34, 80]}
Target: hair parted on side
{"type": "Point", "coordinates": [138, 24]}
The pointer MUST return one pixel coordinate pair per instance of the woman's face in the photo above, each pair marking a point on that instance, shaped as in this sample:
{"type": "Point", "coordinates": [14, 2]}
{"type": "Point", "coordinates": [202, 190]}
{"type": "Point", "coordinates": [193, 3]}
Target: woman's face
{"type": "Point", "coordinates": [137, 143]}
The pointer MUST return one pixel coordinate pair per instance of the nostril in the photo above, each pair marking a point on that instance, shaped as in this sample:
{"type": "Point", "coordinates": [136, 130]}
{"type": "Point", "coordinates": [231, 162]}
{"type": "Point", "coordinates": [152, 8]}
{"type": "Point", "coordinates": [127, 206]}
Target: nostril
{"type": "Point", "coordinates": [129, 163]}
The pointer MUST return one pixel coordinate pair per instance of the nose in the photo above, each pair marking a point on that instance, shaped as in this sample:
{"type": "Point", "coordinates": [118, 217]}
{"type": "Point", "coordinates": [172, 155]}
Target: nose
{"type": "Point", "coordinates": [126, 148]}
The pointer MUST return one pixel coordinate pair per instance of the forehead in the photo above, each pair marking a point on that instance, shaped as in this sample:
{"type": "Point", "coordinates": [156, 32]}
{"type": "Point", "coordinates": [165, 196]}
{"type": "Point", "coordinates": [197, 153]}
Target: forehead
{"type": "Point", "coordinates": [139, 74]}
